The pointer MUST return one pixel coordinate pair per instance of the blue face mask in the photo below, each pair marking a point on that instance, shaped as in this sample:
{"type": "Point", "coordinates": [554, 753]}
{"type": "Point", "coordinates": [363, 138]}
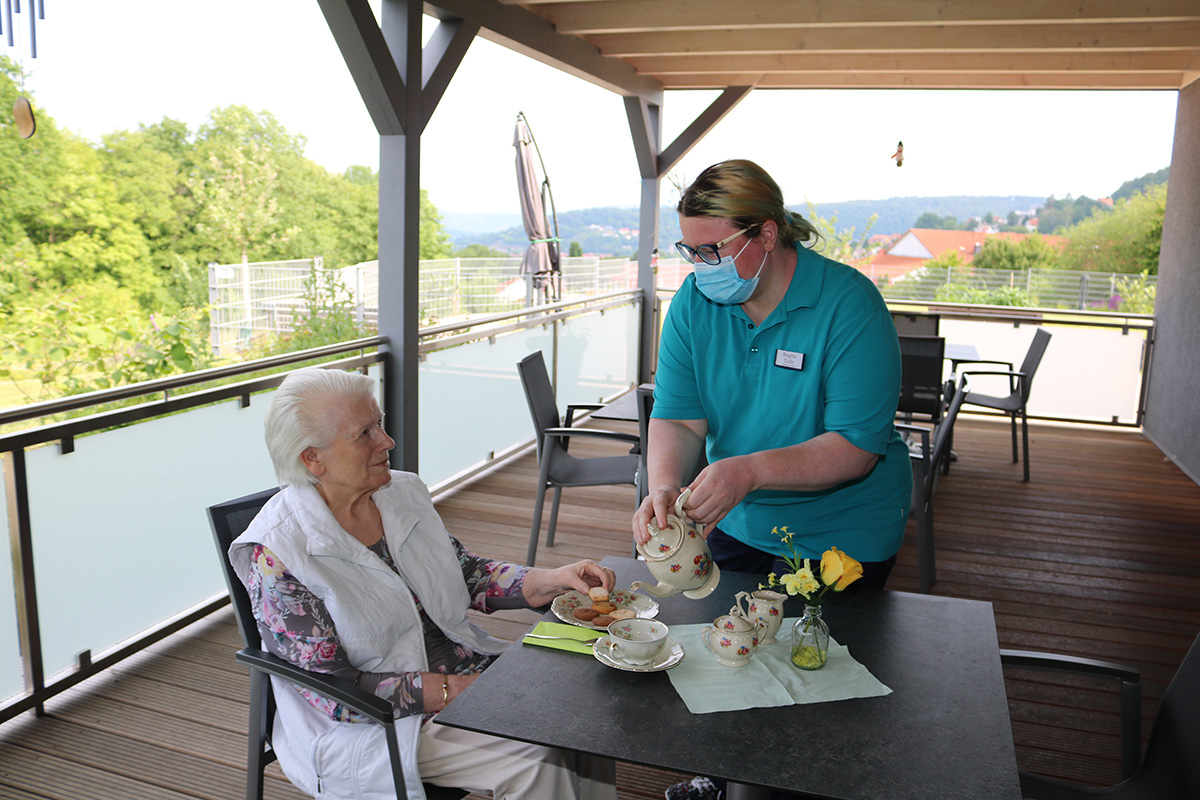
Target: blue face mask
{"type": "Point", "coordinates": [721, 283]}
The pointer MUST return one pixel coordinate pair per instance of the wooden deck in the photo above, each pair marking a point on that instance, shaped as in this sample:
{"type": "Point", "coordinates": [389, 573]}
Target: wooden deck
{"type": "Point", "coordinates": [1098, 556]}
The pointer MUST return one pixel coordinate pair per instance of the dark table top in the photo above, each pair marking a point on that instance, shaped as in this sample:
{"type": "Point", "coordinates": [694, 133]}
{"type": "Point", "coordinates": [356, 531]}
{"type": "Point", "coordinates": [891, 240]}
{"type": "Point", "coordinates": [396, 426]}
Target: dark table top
{"type": "Point", "coordinates": [943, 732]}
{"type": "Point", "coordinates": [623, 408]}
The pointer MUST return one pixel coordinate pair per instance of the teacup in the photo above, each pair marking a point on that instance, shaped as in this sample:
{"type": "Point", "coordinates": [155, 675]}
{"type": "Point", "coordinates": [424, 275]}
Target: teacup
{"type": "Point", "coordinates": [733, 639]}
{"type": "Point", "coordinates": [636, 640]}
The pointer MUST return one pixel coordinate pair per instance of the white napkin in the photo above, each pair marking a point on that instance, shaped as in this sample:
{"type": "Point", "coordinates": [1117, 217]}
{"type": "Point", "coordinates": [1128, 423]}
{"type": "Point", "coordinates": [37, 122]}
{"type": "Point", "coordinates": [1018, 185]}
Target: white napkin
{"type": "Point", "coordinates": [769, 679]}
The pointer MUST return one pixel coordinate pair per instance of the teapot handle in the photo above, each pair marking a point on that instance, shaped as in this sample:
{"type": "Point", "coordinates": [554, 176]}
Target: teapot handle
{"type": "Point", "coordinates": [737, 605]}
{"type": "Point", "coordinates": [680, 502]}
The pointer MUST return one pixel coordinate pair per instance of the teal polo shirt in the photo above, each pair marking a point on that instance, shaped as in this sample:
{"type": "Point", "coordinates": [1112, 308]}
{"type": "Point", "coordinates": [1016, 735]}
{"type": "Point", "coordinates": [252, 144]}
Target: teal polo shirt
{"type": "Point", "coordinates": [826, 359]}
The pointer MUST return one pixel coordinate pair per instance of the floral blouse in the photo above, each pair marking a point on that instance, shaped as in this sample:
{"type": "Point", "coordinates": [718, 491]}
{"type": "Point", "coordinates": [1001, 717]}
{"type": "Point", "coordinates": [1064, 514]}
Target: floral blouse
{"type": "Point", "coordinates": [295, 625]}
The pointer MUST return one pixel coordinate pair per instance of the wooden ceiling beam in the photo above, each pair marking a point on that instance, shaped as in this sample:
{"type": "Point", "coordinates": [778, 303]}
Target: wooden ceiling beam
{"type": "Point", "coordinates": [612, 16]}
{"type": "Point", "coordinates": [1147, 81]}
{"type": "Point", "coordinates": [1151, 61]}
{"type": "Point", "coordinates": [1082, 37]}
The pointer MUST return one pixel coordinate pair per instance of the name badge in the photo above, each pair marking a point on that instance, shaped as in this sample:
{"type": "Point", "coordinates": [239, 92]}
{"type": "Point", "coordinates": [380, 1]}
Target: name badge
{"type": "Point", "coordinates": [789, 360]}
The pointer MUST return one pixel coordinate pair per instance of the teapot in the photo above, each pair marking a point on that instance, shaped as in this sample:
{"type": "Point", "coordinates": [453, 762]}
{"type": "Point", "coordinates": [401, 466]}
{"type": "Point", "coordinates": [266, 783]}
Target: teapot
{"type": "Point", "coordinates": [678, 557]}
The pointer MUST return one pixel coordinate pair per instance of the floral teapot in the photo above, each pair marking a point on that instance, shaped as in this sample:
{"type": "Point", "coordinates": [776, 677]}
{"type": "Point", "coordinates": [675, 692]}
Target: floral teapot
{"type": "Point", "coordinates": [678, 558]}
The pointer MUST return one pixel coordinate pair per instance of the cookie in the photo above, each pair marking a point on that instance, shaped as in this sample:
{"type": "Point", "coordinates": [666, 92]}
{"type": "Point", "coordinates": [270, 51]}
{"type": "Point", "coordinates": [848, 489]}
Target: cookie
{"type": "Point", "coordinates": [597, 593]}
{"type": "Point", "coordinates": [622, 613]}
{"type": "Point", "coordinates": [602, 621]}
{"type": "Point", "coordinates": [586, 614]}
{"type": "Point", "coordinates": [604, 607]}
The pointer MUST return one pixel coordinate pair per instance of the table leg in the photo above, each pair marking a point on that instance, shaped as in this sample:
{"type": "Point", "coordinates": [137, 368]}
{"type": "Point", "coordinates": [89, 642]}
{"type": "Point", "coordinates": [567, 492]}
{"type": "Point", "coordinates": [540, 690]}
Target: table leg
{"type": "Point", "coordinates": [740, 791]}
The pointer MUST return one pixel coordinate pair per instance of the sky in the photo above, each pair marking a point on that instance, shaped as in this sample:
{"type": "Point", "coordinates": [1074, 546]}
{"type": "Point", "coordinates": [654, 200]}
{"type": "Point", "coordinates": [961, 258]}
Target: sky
{"type": "Point", "coordinates": [105, 67]}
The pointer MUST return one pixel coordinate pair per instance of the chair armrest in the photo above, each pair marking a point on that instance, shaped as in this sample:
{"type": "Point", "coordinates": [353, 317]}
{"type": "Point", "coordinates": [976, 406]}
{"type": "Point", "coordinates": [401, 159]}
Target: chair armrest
{"type": "Point", "coordinates": [1131, 701]}
{"type": "Point", "coordinates": [595, 433]}
{"type": "Point", "coordinates": [573, 407]}
{"type": "Point", "coordinates": [1009, 373]}
{"type": "Point", "coordinates": [337, 689]}
{"type": "Point", "coordinates": [917, 430]}
{"type": "Point", "coordinates": [961, 361]}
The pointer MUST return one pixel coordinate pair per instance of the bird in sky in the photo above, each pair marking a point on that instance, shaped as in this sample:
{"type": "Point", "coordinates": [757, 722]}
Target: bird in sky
{"type": "Point", "coordinates": [899, 154]}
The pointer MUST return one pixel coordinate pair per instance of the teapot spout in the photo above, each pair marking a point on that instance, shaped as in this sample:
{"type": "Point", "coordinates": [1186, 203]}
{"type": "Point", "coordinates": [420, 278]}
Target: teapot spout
{"type": "Point", "coordinates": [661, 590]}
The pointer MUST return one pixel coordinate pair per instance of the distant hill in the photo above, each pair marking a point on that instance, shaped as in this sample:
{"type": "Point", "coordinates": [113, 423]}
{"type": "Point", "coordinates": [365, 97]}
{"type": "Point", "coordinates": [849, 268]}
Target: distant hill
{"type": "Point", "coordinates": [608, 231]}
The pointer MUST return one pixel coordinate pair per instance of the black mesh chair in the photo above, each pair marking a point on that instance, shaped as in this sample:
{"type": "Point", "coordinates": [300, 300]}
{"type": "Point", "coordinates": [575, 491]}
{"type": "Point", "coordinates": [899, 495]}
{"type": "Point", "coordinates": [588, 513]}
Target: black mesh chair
{"type": "Point", "coordinates": [229, 520]}
{"type": "Point", "coordinates": [928, 448]}
{"type": "Point", "coordinates": [1019, 383]}
{"type": "Point", "coordinates": [1170, 767]}
{"type": "Point", "coordinates": [556, 467]}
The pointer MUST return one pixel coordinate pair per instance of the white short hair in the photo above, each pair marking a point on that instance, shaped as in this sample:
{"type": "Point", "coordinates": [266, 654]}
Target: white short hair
{"type": "Point", "coordinates": [299, 416]}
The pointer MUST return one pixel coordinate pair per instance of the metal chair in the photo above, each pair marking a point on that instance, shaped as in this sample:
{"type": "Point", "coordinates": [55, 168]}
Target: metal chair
{"type": "Point", "coordinates": [925, 460]}
{"type": "Point", "coordinates": [229, 520]}
{"type": "Point", "coordinates": [916, 324]}
{"type": "Point", "coordinates": [556, 467]}
{"type": "Point", "coordinates": [1169, 768]}
{"type": "Point", "coordinates": [921, 360]}
{"type": "Point", "coordinates": [1019, 382]}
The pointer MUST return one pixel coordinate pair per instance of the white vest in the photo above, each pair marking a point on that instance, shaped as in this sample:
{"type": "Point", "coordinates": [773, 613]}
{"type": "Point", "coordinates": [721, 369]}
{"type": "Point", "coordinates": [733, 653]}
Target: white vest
{"type": "Point", "coordinates": [372, 607]}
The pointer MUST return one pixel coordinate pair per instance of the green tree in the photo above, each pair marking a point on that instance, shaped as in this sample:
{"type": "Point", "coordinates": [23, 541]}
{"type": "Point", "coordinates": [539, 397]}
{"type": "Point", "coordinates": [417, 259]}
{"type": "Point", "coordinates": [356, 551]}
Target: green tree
{"type": "Point", "coordinates": [576, 250]}
{"type": "Point", "coordinates": [435, 242]}
{"type": "Point", "coordinates": [935, 222]}
{"type": "Point", "coordinates": [481, 251]}
{"type": "Point", "coordinates": [1032, 252]}
{"type": "Point", "coordinates": [1127, 240]}
{"type": "Point", "coordinates": [835, 244]}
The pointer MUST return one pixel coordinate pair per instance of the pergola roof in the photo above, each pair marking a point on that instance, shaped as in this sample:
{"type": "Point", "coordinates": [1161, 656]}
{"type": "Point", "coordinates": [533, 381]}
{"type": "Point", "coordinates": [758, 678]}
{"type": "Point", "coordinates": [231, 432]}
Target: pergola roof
{"type": "Point", "coordinates": [645, 46]}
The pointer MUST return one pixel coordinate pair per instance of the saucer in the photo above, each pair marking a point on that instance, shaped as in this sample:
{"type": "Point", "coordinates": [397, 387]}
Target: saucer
{"type": "Point", "coordinates": [669, 656]}
{"type": "Point", "coordinates": [564, 606]}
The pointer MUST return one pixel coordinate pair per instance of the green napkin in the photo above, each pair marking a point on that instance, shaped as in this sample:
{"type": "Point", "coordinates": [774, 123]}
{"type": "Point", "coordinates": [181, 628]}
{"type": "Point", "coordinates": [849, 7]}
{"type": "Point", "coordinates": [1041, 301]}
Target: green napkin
{"type": "Point", "coordinates": [566, 631]}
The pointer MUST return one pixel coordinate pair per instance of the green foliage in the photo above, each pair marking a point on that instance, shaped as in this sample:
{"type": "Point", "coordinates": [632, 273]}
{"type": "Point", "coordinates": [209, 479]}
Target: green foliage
{"type": "Point", "coordinates": [1127, 240]}
{"type": "Point", "coordinates": [837, 244]}
{"type": "Point", "coordinates": [983, 295]}
{"type": "Point", "coordinates": [328, 318]}
{"type": "Point", "coordinates": [69, 350]}
{"type": "Point", "coordinates": [1032, 252]}
{"type": "Point", "coordinates": [1058, 214]}
{"type": "Point", "coordinates": [932, 220]}
{"type": "Point", "coordinates": [1141, 185]}
{"type": "Point", "coordinates": [483, 251]}
{"type": "Point", "coordinates": [435, 242]}
{"type": "Point", "coordinates": [575, 251]}
{"type": "Point", "coordinates": [1135, 294]}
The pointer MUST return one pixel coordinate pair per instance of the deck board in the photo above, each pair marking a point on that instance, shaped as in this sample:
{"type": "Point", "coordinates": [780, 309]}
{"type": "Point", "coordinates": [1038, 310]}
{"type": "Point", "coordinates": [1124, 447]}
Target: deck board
{"type": "Point", "coordinates": [1098, 556]}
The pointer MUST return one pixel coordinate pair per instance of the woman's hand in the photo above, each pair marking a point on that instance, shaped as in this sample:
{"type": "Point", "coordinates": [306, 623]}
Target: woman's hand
{"type": "Point", "coordinates": [543, 585]}
{"type": "Point", "coordinates": [432, 695]}
{"type": "Point", "coordinates": [655, 506]}
{"type": "Point", "coordinates": [718, 488]}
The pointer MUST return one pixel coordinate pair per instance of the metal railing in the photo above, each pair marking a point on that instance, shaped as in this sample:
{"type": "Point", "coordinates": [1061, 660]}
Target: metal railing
{"type": "Point", "coordinates": [471, 351]}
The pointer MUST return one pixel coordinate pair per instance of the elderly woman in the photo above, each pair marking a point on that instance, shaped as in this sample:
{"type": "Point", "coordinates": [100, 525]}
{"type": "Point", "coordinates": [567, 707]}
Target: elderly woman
{"type": "Point", "coordinates": [352, 573]}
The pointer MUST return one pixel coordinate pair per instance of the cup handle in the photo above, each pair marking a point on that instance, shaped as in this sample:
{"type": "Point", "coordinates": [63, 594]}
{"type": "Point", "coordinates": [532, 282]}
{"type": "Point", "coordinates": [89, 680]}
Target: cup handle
{"type": "Point", "coordinates": [737, 604]}
{"type": "Point", "coordinates": [704, 634]}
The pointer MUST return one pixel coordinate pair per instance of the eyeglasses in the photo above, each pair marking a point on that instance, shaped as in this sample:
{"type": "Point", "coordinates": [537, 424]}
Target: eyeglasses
{"type": "Point", "coordinates": [708, 252]}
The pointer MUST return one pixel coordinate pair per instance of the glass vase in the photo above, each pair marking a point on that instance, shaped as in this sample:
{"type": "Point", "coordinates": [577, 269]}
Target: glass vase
{"type": "Point", "coordinates": [810, 640]}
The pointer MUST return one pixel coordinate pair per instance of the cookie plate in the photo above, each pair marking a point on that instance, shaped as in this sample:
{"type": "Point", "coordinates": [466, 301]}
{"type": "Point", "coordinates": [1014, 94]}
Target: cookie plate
{"type": "Point", "coordinates": [565, 604]}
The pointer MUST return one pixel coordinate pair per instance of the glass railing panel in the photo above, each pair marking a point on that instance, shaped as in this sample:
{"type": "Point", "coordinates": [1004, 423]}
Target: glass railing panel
{"type": "Point", "coordinates": [597, 355]}
{"type": "Point", "coordinates": [472, 403]}
{"type": "Point", "coordinates": [11, 680]}
{"type": "Point", "coordinates": [1088, 373]}
{"type": "Point", "coordinates": [121, 539]}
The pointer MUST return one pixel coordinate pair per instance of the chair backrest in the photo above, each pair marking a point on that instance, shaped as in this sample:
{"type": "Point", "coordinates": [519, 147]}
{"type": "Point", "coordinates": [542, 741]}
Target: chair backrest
{"type": "Point", "coordinates": [1033, 357]}
{"type": "Point", "coordinates": [916, 324]}
{"type": "Point", "coordinates": [229, 520]}
{"type": "Point", "coordinates": [921, 375]}
{"type": "Point", "coordinates": [1170, 767]}
{"type": "Point", "coordinates": [540, 393]}
{"type": "Point", "coordinates": [645, 404]}
{"type": "Point", "coordinates": [941, 435]}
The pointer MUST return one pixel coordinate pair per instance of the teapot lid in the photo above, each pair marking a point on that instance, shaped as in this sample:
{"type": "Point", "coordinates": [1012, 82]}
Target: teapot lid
{"type": "Point", "coordinates": [663, 542]}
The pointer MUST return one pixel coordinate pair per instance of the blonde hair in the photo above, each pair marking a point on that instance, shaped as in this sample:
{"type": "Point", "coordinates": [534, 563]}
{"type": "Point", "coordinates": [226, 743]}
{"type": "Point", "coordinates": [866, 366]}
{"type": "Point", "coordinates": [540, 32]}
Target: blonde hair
{"type": "Point", "coordinates": [743, 193]}
{"type": "Point", "coordinates": [300, 418]}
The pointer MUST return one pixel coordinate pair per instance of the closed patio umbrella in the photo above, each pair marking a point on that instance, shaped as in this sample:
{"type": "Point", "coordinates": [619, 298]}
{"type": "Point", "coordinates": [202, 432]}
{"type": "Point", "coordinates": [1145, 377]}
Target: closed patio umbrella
{"type": "Point", "coordinates": [537, 211]}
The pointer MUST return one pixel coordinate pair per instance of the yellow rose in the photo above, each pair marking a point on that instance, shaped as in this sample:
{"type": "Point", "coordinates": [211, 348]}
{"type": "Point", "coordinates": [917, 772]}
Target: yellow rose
{"type": "Point", "coordinates": [839, 570]}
